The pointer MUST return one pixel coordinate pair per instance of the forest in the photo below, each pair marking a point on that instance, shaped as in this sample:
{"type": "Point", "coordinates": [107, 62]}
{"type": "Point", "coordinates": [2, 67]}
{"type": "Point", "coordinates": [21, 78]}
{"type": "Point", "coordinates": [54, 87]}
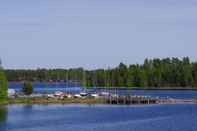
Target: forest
{"type": "Point", "coordinates": [153, 73]}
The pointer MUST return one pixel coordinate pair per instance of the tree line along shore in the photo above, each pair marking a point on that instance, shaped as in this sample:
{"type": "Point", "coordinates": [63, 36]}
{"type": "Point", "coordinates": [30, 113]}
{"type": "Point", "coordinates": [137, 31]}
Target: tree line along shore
{"type": "Point", "coordinates": [158, 73]}
{"type": "Point", "coordinates": [172, 73]}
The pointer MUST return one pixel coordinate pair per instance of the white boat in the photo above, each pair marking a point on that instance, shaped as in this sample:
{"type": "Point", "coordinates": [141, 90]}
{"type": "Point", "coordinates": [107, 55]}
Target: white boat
{"type": "Point", "coordinates": [50, 96]}
{"type": "Point", "coordinates": [58, 93]}
{"type": "Point", "coordinates": [95, 95]}
{"type": "Point", "coordinates": [83, 94]}
{"type": "Point", "coordinates": [69, 96]}
{"type": "Point", "coordinates": [105, 93]}
{"type": "Point", "coordinates": [11, 92]}
{"type": "Point", "coordinates": [77, 96]}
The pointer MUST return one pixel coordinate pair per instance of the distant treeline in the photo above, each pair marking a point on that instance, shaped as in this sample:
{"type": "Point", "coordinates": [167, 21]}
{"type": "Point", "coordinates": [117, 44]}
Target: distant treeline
{"type": "Point", "coordinates": [168, 72]}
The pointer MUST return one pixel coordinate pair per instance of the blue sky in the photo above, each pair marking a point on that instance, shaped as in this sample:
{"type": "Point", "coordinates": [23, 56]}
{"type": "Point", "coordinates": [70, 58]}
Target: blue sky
{"type": "Point", "coordinates": [95, 33]}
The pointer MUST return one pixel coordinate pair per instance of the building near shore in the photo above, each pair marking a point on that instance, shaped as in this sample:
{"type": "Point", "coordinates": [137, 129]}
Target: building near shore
{"type": "Point", "coordinates": [11, 92]}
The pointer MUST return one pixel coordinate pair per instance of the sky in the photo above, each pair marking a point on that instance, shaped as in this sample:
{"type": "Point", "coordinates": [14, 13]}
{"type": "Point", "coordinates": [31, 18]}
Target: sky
{"type": "Point", "coordinates": [95, 33]}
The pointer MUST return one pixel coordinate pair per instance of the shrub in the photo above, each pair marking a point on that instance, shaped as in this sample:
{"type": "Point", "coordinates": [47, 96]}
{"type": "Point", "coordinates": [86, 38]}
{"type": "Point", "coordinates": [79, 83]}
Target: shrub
{"type": "Point", "coordinates": [27, 88]}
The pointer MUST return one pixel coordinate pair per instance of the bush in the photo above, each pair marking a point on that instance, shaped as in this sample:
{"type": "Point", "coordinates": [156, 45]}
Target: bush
{"type": "Point", "coordinates": [27, 88]}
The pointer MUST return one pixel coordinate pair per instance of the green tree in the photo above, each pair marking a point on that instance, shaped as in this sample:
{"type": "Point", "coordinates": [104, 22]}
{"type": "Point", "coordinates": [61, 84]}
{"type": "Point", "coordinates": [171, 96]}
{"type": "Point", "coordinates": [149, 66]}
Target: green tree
{"type": "Point", "coordinates": [167, 72]}
{"type": "Point", "coordinates": [186, 73]}
{"type": "Point", "coordinates": [194, 74]}
{"type": "Point", "coordinates": [123, 75]}
{"type": "Point", "coordinates": [27, 88]}
{"type": "Point", "coordinates": [136, 76]}
{"type": "Point", "coordinates": [3, 85]}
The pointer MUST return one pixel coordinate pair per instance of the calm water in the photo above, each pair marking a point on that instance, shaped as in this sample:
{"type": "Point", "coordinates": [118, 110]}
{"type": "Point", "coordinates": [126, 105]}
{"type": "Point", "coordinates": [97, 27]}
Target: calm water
{"type": "Point", "coordinates": [47, 87]}
{"type": "Point", "coordinates": [52, 87]}
{"type": "Point", "coordinates": [98, 118]}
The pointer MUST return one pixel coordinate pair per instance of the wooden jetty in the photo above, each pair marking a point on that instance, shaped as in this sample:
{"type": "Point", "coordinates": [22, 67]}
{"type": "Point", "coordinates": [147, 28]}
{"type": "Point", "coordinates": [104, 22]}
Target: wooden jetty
{"type": "Point", "coordinates": [128, 100]}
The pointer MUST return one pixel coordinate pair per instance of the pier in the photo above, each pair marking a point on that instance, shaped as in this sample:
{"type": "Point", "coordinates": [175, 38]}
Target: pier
{"type": "Point", "coordinates": [128, 100]}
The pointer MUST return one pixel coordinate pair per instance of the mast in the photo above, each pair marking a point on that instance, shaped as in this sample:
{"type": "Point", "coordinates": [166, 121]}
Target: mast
{"type": "Point", "coordinates": [95, 81]}
{"type": "Point", "coordinates": [84, 79]}
{"type": "Point", "coordinates": [67, 81]}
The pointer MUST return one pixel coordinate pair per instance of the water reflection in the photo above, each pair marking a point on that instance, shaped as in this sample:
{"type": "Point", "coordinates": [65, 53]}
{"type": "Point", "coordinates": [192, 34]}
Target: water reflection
{"type": "Point", "coordinates": [3, 114]}
{"type": "Point", "coordinates": [3, 118]}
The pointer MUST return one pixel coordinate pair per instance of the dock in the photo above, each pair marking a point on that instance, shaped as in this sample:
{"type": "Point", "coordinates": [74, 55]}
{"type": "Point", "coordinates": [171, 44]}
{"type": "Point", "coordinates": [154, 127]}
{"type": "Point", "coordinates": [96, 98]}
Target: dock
{"type": "Point", "coordinates": [128, 100]}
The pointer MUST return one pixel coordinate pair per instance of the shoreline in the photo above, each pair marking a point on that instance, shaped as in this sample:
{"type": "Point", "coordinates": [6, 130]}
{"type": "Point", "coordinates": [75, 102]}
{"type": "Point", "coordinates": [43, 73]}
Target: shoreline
{"type": "Point", "coordinates": [130, 88]}
{"type": "Point", "coordinates": [43, 101]}
{"type": "Point", "coordinates": [89, 101]}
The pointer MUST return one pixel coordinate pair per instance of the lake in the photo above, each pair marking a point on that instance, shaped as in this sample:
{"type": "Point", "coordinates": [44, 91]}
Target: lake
{"type": "Point", "coordinates": [98, 118]}
{"type": "Point", "coordinates": [73, 88]}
